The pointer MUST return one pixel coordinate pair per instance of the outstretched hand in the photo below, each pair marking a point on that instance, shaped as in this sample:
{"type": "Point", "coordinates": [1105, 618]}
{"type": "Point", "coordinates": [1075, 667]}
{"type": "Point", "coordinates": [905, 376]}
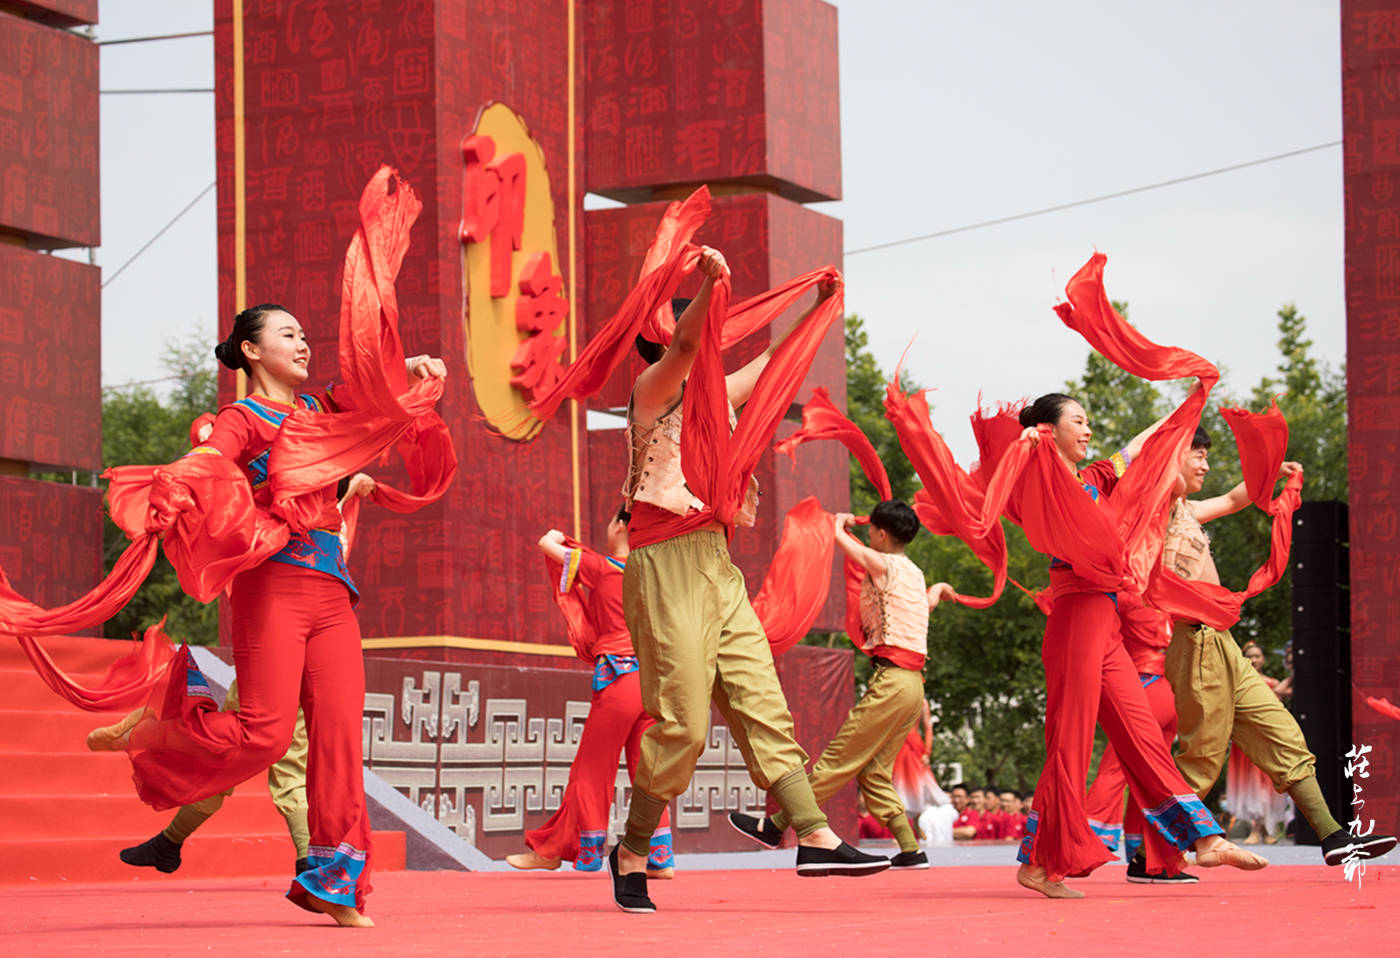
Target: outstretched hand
{"type": "Point", "coordinates": [712, 263]}
{"type": "Point", "coordinates": [361, 484]}
{"type": "Point", "coordinates": [426, 367]}
{"type": "Point", "coordinates": [940, 592]}
{"type": "Point", "coordinates": [1288, 470]}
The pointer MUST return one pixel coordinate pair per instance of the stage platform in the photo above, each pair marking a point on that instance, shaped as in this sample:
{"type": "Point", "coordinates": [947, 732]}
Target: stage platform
{"type": "Point", "coordinates": [747, 908]}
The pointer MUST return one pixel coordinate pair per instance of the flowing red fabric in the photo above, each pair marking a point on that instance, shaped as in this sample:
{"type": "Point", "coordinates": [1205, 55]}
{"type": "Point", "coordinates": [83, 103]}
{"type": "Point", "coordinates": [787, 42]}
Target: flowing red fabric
{"type": "Point", "coordinates": [1262, 439]}
{"type": "Point", "coordinates": [669, 258]}
{"type": "Point", "coordinates": [581, 633]}
{"type": "Point", "coordinates": [951, 502]}
{"type": "Point", "coordinates": [822, 420]}
{"type": "Point", "coordinates": [798, 579]}
{"type": "Point", "coordinates": [201, 506]}
{"type": "Point", "coordinates": [1383, 706]}
{"type": "Point", "coordinates": [127, 682]}
{"type": "Point", "coordinates": [717, 464]}
{"type": "Point", "coordinates": [379, 408]}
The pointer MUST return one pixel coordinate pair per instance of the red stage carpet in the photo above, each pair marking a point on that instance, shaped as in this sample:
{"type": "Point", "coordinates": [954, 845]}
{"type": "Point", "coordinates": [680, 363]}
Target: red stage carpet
{"type": "Point", "coordinates": [1284, 910]}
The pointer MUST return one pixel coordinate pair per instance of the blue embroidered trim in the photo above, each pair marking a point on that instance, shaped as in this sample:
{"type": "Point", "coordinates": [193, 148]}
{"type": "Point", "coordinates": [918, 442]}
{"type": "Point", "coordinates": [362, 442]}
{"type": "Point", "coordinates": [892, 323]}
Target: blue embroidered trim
{"type": "Point", "coordinates": [590, 851]}
{"type": "Point", "coordinates": [1132, 841]}
{"type": "Point", "coordinates": [1023, 853]}
{"type": "Point", "coordinates": [333, 873]}
{"type": "Point", "coordinates": [195, 682]}
{"type": "Point", "coordinates": [1182, 820]}
{"type": "Point", "coordinates": [321, 551]}
{"type": "Point", "coordinates": [1147, 680]}
{"type": "Point", "coordinates": [619, 564]}
{"type": "Point", "coordinates": [660, 855]}
{"type": "Point", "coordinates": [1110, 835]}
{"type": "Point", "coordinates": [607, 669]}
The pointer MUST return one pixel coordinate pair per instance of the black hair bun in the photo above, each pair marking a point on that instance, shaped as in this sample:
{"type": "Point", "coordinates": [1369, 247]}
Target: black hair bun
{"type": "Point", "coordinates": [224, 353]}
{"type": "Point", "coordinates": [1026, 417]}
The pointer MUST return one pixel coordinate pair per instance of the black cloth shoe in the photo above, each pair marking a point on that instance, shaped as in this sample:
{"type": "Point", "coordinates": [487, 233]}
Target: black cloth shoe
{"type": "Point", "coordinates": [841, 860]}
{"type": "Point", "coordinates": [761, 830]}
{"type": "Point", "coordinates": [914, 859]}
{"type": "Point", "coordinates": [159, 853]}
{"type": "Point", "coordinates": [302, 865]}
{"type": "Point", "coordinates": [1339, 846]}
{"type": "Point", "coordinates": [629, 891]}
{"type": "Point", "coordinates": [1139, 875]}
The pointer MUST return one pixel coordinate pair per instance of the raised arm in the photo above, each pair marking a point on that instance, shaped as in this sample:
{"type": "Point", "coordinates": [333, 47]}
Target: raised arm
{"type": "Point", "coordinates": [1236, 499]}
{"type": "Point", "coordinates": [940, 592]}
{"type": "Point", "coordinates": [1134, 447]}
{"type": "Point", "coordinates": [552, 545]}
{"type": "Point", "coordinates": [861, 554]}
{"type": "Point", "coordinates": [739, 384]}
{"type": "Point", "coordinates": [659, 385]}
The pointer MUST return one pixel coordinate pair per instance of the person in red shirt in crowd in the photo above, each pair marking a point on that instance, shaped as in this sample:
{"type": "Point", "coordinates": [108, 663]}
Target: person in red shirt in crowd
{"type": "Point", "coordinates": [989, 828]}
{"type": "Point", "coordinates": [965, 825]}
{"type": "Point", "coordinates": [1012, 827]}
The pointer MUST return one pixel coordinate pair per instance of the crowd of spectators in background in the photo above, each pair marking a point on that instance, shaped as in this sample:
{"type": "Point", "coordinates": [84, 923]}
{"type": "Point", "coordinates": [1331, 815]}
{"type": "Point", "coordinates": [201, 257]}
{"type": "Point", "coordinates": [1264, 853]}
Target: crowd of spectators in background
{"type": "Point", "coordinates": [989, 815]}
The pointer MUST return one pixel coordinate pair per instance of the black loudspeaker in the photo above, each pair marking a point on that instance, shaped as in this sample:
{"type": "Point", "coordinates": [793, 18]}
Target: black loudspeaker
{"type": "Point", "coordinates": [1322, 649]}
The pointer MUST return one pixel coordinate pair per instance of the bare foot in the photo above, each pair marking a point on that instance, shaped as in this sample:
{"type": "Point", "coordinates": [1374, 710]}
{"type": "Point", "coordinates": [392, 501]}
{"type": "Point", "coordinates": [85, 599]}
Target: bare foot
{"type": "Point", "coordinates": [1215, 851]}
{"type": "Point", "coordinates": [344, 915]}
{"type": "Point", "coordinates": [1035, 878]}
{"type": "Point", "coordinates": [661, 874]}
{"type": "Point", "coordinates": [629, 862]}
{"type": "Point", "coordinates": [115, 738]}
{"type": "Point", "coordinates": [821, 838]}
{"type": "Point", "coordinates": [531, 859]}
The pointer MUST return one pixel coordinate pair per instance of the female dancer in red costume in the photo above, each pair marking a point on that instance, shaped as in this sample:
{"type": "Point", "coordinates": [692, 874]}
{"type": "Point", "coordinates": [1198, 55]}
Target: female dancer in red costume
{"type": "Point", "coordinates": [295, 639]}
{"type": "Point", "coordinates": [1090, 678]}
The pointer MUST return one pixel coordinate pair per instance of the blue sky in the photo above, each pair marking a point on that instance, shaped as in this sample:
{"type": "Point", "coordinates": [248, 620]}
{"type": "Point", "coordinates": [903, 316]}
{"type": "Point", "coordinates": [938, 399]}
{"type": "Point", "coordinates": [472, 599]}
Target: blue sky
{"type": "Point", "coordinates": [951, 114]}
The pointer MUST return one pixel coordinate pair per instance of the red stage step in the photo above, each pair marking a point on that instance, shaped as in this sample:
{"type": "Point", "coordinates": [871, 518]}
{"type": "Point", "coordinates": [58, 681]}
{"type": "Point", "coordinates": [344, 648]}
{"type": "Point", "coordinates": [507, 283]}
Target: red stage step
{"type": "Point", "coordinates": [65, 812]}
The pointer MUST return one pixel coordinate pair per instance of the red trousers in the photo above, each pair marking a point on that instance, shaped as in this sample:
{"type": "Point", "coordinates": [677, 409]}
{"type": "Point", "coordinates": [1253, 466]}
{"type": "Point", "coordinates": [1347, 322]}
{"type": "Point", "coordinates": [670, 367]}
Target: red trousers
{"type": "Point", "coordinates": [295, 640]}
{"type": "Point", "coordinates": [1105, 801]}
{"type": "Point", "coordinates": [577, 832]}
{"type": "Point", "coordinates": [1090, 678]}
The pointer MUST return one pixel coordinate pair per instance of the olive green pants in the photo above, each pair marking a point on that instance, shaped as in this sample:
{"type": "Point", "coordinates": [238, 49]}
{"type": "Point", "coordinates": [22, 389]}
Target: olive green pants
{"type": "Point", "coordinates": [1220, 698]}
{"type": "Point", "coordinates": [286, 782]}
{"type": "Point", "coordinates": [698, 640]}
{"type": "Point", "coordinates": [866, 746]}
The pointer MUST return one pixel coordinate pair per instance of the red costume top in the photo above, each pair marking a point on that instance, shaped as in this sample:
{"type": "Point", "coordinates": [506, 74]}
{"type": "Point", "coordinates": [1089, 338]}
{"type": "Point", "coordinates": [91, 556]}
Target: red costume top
{"type": "Point", "coordinates": [989, 826]}
{"type": "Point", "coordinates": [602, 577]}
{"type": "Point", "coordinates": [1011, 826]}
{"type": "Point", "coordinates": [244, 432]}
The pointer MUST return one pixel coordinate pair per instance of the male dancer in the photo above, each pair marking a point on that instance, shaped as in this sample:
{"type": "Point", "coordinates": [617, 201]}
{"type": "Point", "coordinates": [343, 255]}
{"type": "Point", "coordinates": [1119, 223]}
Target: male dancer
{"type": "Point", "coordinates": [894, 610]}
{"type": "Point", "coordinates": [578, 831]}
{"type": "Point", "coordinates": [1219, 695]}
{"type": "Point", "coordinates": [695, 634]}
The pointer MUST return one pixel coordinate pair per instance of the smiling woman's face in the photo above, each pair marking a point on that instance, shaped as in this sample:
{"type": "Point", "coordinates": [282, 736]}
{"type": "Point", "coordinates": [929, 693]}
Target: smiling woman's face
{"type": "Point", "coordinates": [1072, 433]}
{"type": "Point", "coordinates": [281, 349]}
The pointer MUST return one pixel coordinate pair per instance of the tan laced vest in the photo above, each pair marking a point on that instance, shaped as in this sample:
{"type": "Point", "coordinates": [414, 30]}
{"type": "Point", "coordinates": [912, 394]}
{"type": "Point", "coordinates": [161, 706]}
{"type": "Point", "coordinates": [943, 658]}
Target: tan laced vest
{"type": "Point", "coordinates": [655, 476]}
{"type": "Point", "coordinates": [897, 615]}
{"type": "Point", "coordinates": [1186, 548]}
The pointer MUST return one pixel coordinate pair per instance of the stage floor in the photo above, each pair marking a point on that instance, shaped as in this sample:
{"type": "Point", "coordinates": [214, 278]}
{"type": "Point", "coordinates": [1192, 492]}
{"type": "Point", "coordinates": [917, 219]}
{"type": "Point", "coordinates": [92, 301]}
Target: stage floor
{"type": "Point", "coordinates": [1285, 909]}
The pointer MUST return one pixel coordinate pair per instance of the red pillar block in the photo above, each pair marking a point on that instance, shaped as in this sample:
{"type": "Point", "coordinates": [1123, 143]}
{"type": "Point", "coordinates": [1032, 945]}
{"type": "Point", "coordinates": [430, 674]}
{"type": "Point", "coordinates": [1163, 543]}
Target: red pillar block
{"type": "Point", "coordinates": [330, 91]}
{"type": "Point", "coordinates": [50, 539]}
{"type": "Point", "coordinates": [741, 92]}
{"type": "Point", "coordinates": [1371, 128]}
{"type": "Point", "coordinates": [50, 361]}
{"type": "Point", "coordinates": [48, 135]}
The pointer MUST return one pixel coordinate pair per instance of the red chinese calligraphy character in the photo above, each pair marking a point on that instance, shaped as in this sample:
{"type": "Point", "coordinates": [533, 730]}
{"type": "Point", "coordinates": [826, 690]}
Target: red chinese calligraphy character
{"type": "Point", "coordinates": [493, 204]}
{"type": "Point", "coordinates": [538, 312]}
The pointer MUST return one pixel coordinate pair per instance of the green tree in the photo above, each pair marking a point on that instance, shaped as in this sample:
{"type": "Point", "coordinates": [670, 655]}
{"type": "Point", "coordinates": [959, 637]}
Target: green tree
{"type": "Point", "coordinates": [138, 427]}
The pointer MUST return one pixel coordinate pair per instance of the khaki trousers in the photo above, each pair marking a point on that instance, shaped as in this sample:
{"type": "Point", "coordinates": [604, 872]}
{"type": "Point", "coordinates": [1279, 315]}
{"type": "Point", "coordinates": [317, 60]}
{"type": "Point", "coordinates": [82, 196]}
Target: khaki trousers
{"type": "Point", "coordinates": [1220, 698]}
{"type": "Point", "coordinates": [865, 748]}
{"type": "Point", "coordinates": [697, 639]}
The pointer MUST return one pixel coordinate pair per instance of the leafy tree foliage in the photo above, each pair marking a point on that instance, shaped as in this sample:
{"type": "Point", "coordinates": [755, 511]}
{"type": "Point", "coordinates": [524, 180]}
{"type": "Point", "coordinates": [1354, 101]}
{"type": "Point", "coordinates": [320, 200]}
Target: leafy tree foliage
{"type": "Point", "coordinates": [984, 678]}
{"type": "Point", "coordinates": [139, 427]}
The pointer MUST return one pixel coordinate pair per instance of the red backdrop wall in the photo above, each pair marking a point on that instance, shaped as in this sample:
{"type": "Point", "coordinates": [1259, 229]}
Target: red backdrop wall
{"type": "Point", "coordinates": [1371, 127]}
